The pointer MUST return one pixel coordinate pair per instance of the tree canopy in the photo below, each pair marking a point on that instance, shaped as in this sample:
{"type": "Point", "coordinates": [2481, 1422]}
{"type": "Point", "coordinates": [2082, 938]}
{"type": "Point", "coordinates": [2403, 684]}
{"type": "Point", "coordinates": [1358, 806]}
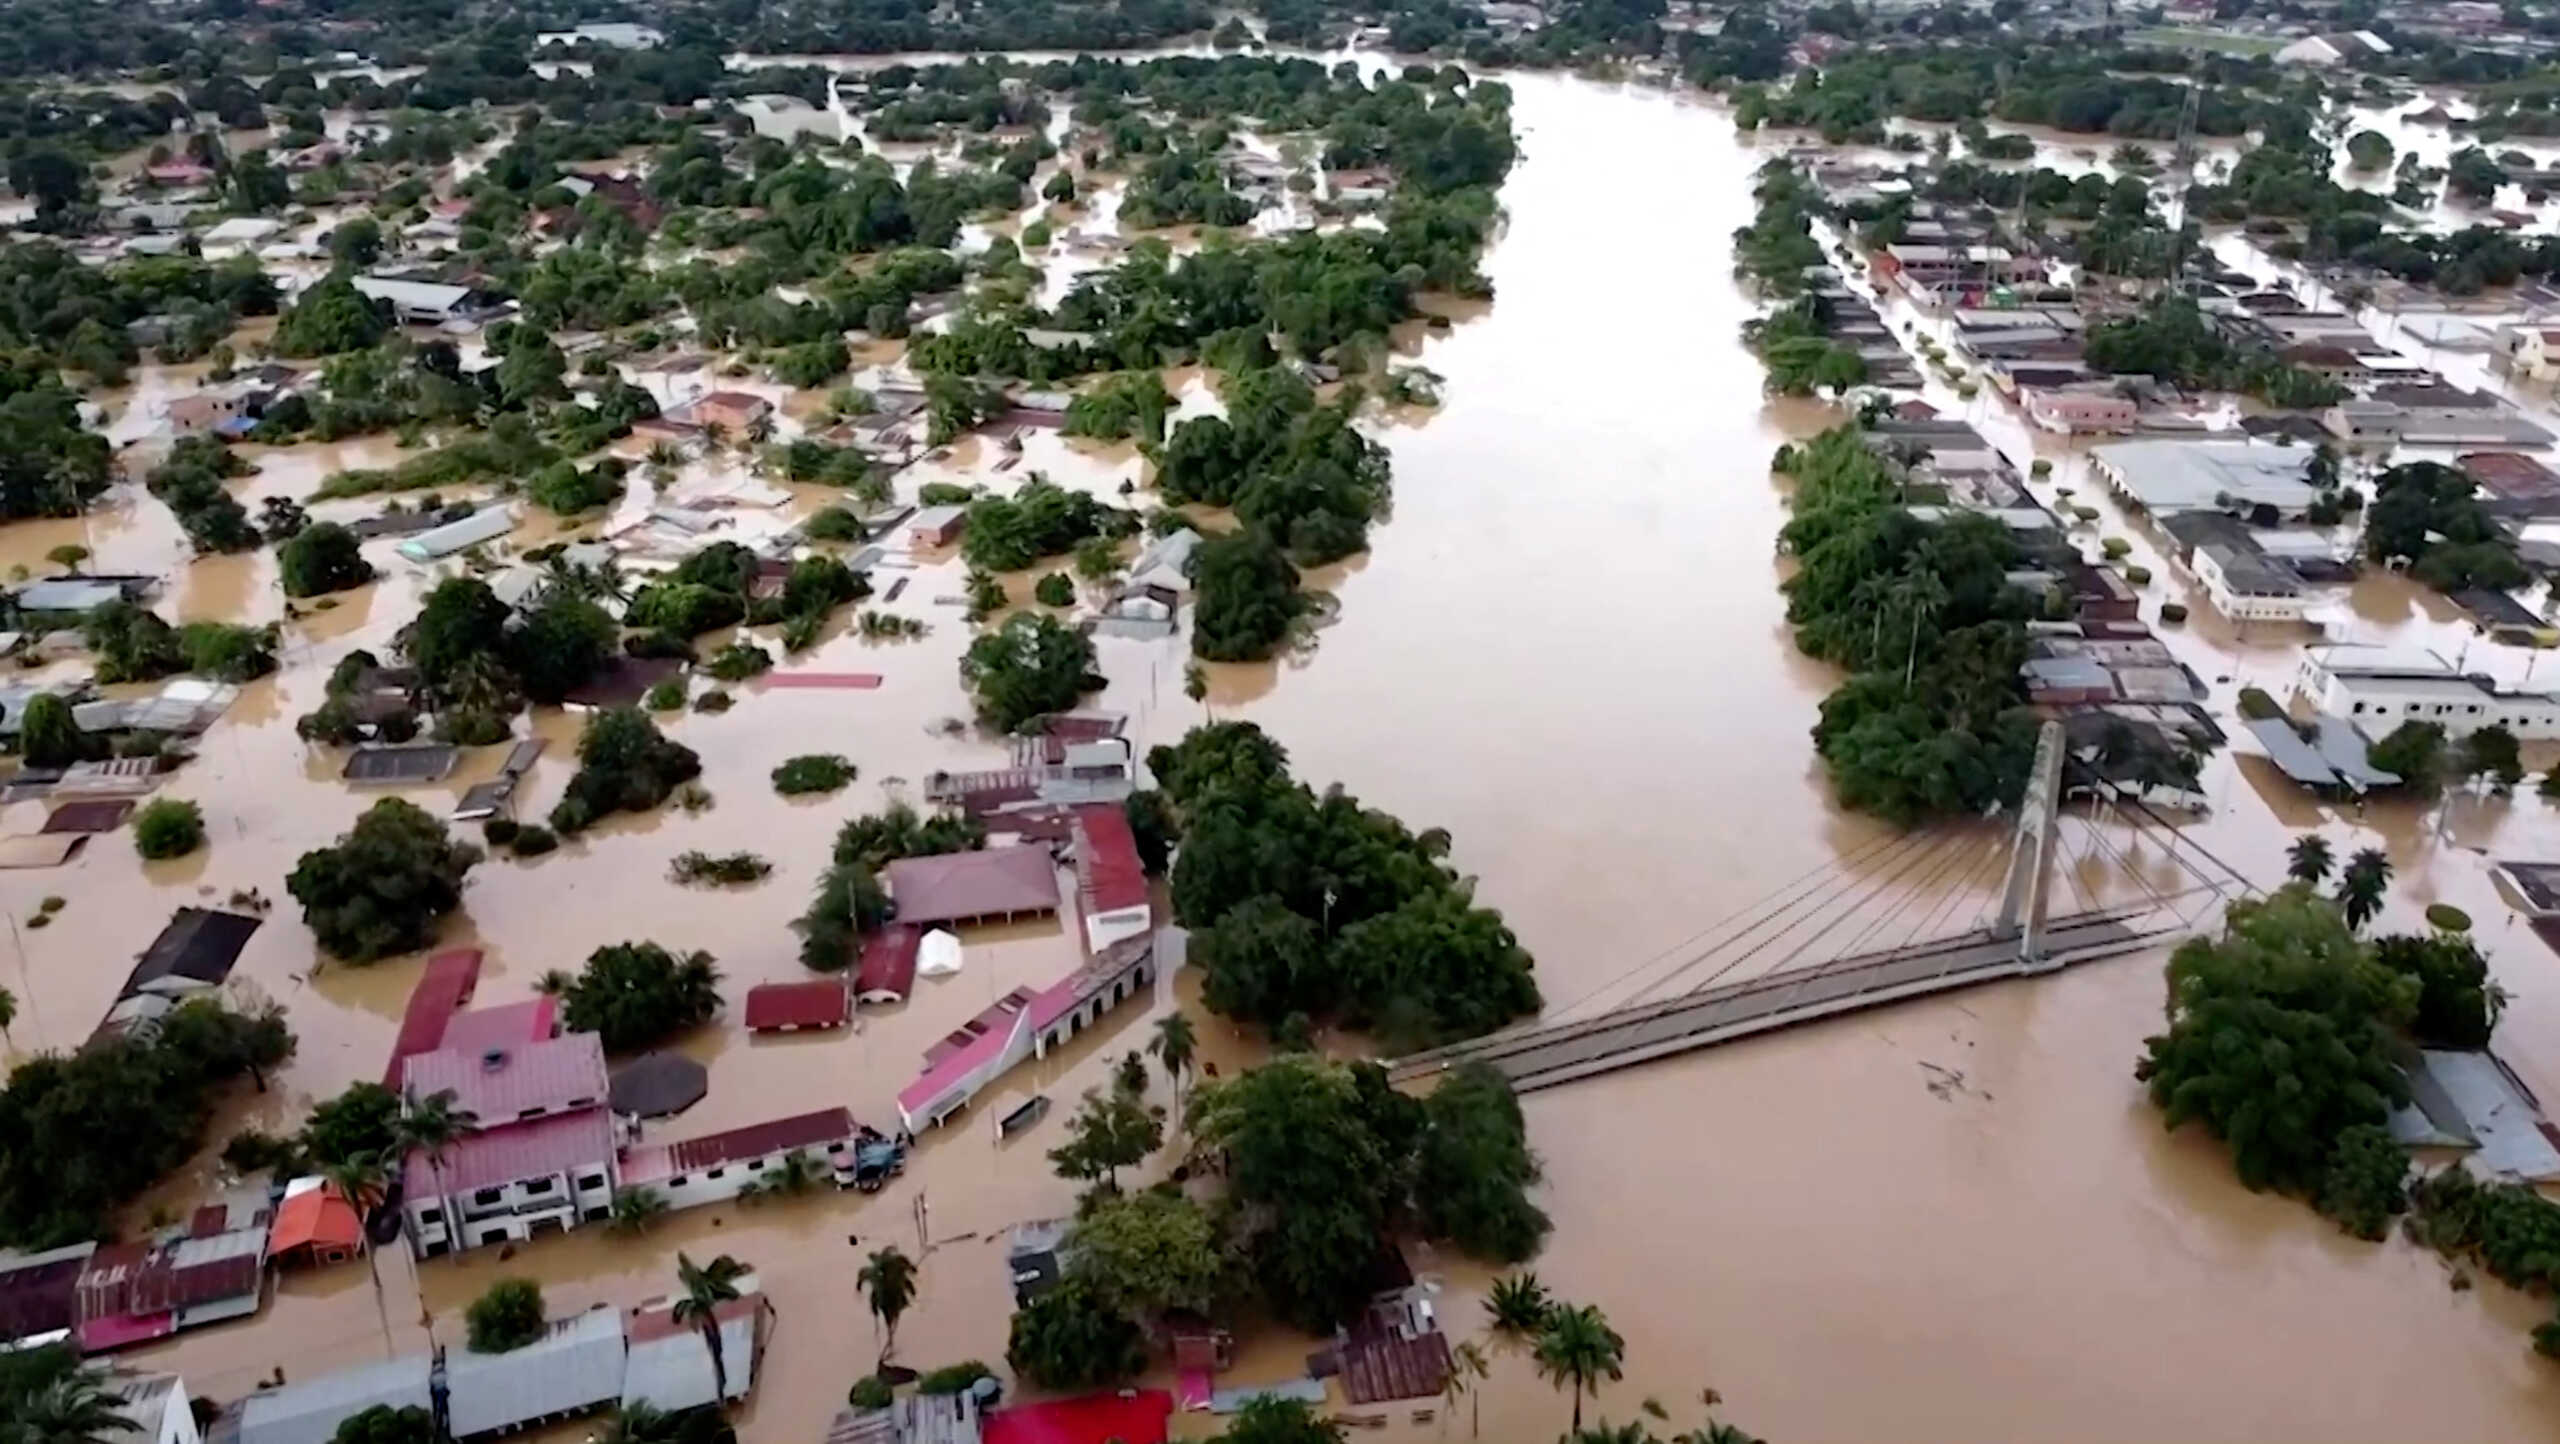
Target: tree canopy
{"type": "Point", "coordinates": [635, 994]}
{"type": "Point", "coordinates": [384, 886]}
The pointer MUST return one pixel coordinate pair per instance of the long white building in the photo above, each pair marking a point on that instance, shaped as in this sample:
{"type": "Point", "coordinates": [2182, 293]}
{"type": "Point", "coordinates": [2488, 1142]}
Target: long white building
{"type": "Point", "coordinates": [2377, 690]}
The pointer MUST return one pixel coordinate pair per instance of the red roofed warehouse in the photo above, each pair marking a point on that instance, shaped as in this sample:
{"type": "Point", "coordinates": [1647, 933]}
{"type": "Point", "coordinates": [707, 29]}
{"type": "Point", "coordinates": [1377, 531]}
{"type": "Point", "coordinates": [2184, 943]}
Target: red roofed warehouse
{"type": "Point", "coordinates": [783, 1007]}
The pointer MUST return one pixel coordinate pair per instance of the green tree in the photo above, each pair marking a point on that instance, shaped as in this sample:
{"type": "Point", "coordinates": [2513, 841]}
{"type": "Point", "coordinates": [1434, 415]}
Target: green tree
{"type": "Point", "coordinates": [1068, 1340]}
{"type": "Point", "coordinates": [330, 319]}
{"type": "Point", "coordinates": [1150, 1252]}
{"type": "Point", "coordinates": [700, 1291]}
{"type": "Point", "coordinates": [74, 1404]}
{"type": "Point", "coordinates": [384, 886]}
{"type": "Point", "coordinates": [2458, 1004]}
{"type": "Point", "coordinates": [1248, 597]}
{"type": "Point", "coordinates": [1272, 1420]}
{"type": "Point", "coordinates": [461, 622]}
{"type": "Point", "coordinates": [1174, 1044]}
{"type": "Point", "coordinates": [1474, 1168]}
{"type": "Point", "coordinates": [2362, 887]}
{"type": "Point", "coordinates": [430, 1126]}
{"type": "Point", "coordinates": [888, 1282]}
{"type": "Point", "coordinates": [356, 243]}
{"type": "Point", "coordinates": [2416, 753]}
{"type": "Point", "coordinates": [1577, 1351]}
{"type": "Point", "coordinates": [562, 642]}
{"type": "Point", "coordinates": [2279, 1038]}
{"type": "Point", "coordinates": [1031, 666]}
{"type": "Point", "coordinates": [384, 1424]}
{"type": "Point", "coordinates": [506, 1317]}
{"type": "Point", "coordinates": [1516, 1308]}
{"type": "Point", "coordinates": [322, 557]}
{"type": "Point", "coordinates": [47, 735]}
{"type": "Point", "coordinates": [1112, 1131]}
{"type": "Point", "coordinates": [625, 764]}
{"type": "Point", "coordinates": [168, 827]}
{"type": "Point", "coordinates": [68, 556]}
{"type": "Point", "coordinates": [637, 1210]}
{"type": "Point", "coordinates": [635, 994]}
{"type": "Point", "coordinates": [2309, 859]}
{"type": "Point", "coordinates": [2490, 752]}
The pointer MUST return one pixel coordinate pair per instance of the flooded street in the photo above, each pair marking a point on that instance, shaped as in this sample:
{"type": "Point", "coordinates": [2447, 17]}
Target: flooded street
{"type": "Point", "coordinates": [1567, 648]}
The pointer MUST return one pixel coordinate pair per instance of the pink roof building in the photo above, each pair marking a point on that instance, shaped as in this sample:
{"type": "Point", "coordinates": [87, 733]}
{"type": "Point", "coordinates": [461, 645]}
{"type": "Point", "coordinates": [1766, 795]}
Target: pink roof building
{"type": "Point", "coordinates": [506, 1084]}
{"type": "Point", "coordinates": [783, 1007]}
{"type": "Point", "coordinates": [887, 972]}
{"type": "Point", "coordinates": [815, 1132]}
{"type": "Point", "coordinates": [1111, 882]}
{"type": "Point", "coordinates": [559, 1144]}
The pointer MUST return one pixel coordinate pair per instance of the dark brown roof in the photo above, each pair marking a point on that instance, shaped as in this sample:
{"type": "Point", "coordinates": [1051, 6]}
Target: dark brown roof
{"type": "Point", "coordinates": [756, 1140]}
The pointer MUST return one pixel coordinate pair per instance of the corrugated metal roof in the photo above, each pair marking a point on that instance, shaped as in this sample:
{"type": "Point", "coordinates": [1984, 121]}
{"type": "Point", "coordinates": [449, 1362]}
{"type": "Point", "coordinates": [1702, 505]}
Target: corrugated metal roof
{"type": "Point", "coordinates": [557, 1144]}
{"type": "Point", "coordinates": [503, 1084]}
{"type": "Point", "coordinates": [1109, 876]}
{"type": "Point", "coordinates": [127, 1279]}
{"type": "Point", "coordinates": [199, 943]}
{"type": "Point", "coordinates": [668, 1365]}
{"type": "Point", "coordinates": [575, 1366]}
{"type": "Point", "coordinates": [39, 1292]}
{"type": "Point", "coordinates": [888, 970]}
{"type": "Point", "coordinates": [485, 525]}
{"type": "Point", "coordinates": [444, 985]}
{"type": "Point", "coordinates": [956, 886]}
{"type": "Point", "coordinates": [756, 1140]}
{"type": "Point", "coordinates": [310, 1412]}
{"type": "Point", "coordinates": [818, 1003]}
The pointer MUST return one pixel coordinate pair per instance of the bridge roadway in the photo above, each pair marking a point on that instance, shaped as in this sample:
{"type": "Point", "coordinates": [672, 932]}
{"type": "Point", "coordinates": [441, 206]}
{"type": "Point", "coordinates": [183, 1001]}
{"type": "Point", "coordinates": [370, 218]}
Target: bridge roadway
{"type": "Point", "coordinates": [1543, 1057]}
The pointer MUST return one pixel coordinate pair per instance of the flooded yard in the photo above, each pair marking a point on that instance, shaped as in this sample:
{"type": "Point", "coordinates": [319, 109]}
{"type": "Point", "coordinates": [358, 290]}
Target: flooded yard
{"type": "Point", "coordinates": [1567, 647]}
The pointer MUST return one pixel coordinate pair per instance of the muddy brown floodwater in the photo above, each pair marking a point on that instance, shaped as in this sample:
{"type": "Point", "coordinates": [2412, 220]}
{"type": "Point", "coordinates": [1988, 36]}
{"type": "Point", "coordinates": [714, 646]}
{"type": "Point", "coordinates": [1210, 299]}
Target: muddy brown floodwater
{"type": "Point", "coordinates": [1566, 647]}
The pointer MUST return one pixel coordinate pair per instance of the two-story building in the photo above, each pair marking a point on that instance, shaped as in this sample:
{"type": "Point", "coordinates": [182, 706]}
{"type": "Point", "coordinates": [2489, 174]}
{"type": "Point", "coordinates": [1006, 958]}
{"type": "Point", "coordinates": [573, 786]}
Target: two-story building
{"type": "Point", "coordinates": [540, 1156]}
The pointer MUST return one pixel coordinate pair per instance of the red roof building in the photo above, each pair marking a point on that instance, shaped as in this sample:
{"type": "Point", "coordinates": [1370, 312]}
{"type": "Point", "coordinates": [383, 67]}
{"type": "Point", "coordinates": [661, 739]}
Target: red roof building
{"type": "Point", "coordinates": [315, 1226]}
{"type": "Point", "coordinates": [801, 1132]}
{"type": "Point", "coordinates": [993, 884]}
{"type": "Point", "coordinates": [782, 1007]}
{"type": "Point", "coordinates": [1111, 883]}
{"type": "Point", "coordinates": [888, 969]}
{"type": "Point", "coordinates": [443, 987]}
{"type": "Point", "coordinates": [1140, 1417]}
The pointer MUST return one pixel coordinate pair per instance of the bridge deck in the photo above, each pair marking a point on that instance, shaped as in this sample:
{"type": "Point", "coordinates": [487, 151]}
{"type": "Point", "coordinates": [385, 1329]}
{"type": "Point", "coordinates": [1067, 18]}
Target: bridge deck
{"type": "Point", "coordinates": [1542, 1057]}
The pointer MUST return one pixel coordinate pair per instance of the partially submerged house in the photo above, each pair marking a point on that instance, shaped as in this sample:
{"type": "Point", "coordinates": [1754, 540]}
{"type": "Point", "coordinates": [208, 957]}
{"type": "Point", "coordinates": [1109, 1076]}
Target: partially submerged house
{"type": "Point", "coordinates": [718, 1167]}
{"type": "Point", "coordinates": [192, 956]}
{"type": "Point", "coordinates": [819, 1003]}
{"type": "Point", "coordinates": [444, 985]}
{"type": "Point", "coordinates": [432, 303]}
{"type": "Point", "coordinates": [539, 1158]}
{"type": "Point", "coordinates": [210, 1268]}
{"type": "Point", "coordinates": [314, 1225]}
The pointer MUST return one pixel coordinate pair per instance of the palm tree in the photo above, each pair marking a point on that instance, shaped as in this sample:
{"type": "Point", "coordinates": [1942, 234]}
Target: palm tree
{"type": "Point", "coordinates": [1468, 1369]}
{"type": "Point", "coordinates": [1517, 1308]}
{"type": "Point", "coordinates": [888, 1277]}
{"type": "Point", "coordinates": [705, 1288]}
{"type": "Point", "coordinates": [8, 1015]}
{"type": "Point", "coordinates": [637, 1210]}
{"type": "Point", "coordinates": [554, 982]}
{"type": "Point", "coordinates": [77, 1408]}
{"type": "Point", "coordinates": [760, 430]}
{"type": "Point", "coordinates": [1578, 1349]}
{"type": "Point", "coordinates": [2362, 885]}
{"type": "Point", "coordinates": [793, 1175]}
{"type": "Point", "coordinates": [2309, 859]}
{"type": "Point", "coordinates": [432, 1125]}
{"type": "Point", "coordinates": [1174, 1045]}
{"type": "Point", "coordinates": [637, 1422]}
{"type": "Point", "coordinates": [363, 1180]}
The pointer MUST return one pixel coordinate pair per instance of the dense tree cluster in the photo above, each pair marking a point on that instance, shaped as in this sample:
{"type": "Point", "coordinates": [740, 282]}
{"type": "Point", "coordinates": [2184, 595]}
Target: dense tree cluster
{"type": "Point", "coordinates": [635, 994]}
{"type": "Point", "coordinates": [2170, 339]}
{"type": "Point", "coordinates": [83, 1133]}
{"type": "Point", "coordinates": [1306, 907]}
{"type": "Point", "coordinates": [1029, 667]}
{"type": "Point", "coordinates": [1324, 1160]}
{"type": "Point", "coordinates": [384, 886]}
{"type": "Point", "coordinates": [1041, 519]}
{"type": "Point", "coordinates": [625, 764]}
{"type": "Point", "coordinates": [2427, 515]}
{"type": "Point", "coordinates": [1932, 721]}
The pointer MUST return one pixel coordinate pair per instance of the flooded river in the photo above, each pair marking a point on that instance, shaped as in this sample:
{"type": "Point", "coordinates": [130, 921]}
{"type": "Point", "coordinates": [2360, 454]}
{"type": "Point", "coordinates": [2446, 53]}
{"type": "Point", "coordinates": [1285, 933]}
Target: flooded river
{"type": "Point", "coordinates": [1567, 647]}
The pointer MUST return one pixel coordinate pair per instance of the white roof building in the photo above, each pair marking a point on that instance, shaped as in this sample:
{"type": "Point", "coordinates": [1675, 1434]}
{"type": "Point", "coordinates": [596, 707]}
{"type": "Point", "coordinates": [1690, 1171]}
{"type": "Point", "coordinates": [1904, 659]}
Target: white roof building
{"type": "Point", "coordinates": [620, 34]}
{"type": "Point", "coordinates": [2168, 477]}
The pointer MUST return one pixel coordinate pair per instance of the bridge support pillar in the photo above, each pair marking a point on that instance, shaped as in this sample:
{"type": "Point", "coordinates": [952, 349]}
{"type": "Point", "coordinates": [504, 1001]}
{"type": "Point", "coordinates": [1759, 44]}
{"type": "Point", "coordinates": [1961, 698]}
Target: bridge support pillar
{"type": "Point", "coordinates": [2022, 897]}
